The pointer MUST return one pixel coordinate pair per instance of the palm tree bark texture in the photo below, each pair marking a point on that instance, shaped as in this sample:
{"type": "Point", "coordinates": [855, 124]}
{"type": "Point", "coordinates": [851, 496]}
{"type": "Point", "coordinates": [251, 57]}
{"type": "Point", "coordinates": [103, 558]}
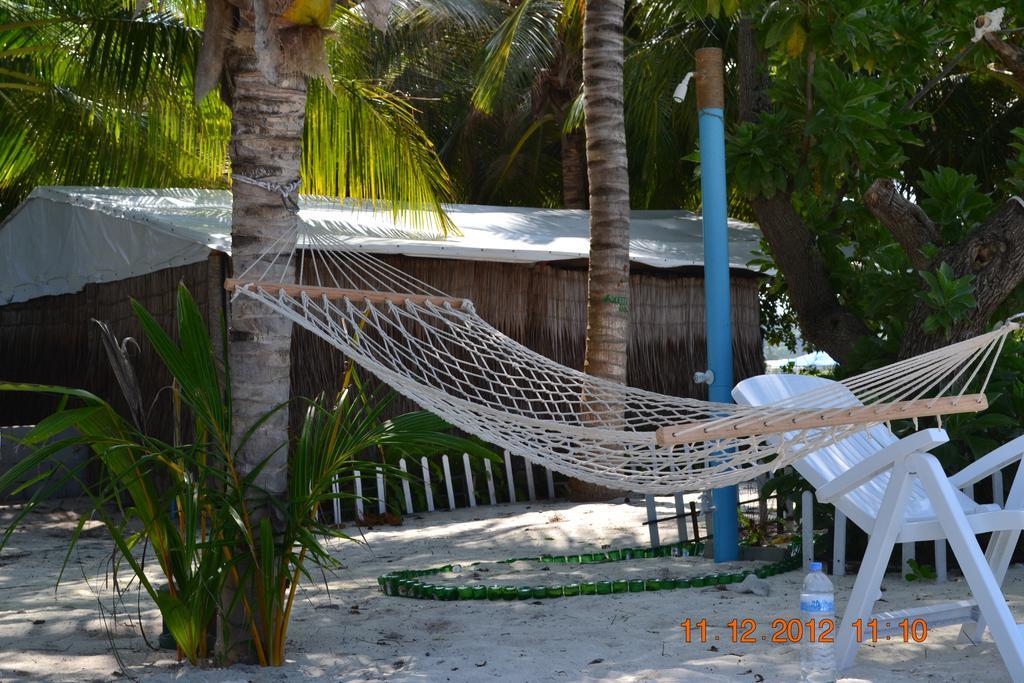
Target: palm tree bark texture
{"type": "Point", "coordinates": [267, 121]}
{"type": "Point", "coordinates": [261, 62]}
{"type": "Point", "coordinates": [608, 314]}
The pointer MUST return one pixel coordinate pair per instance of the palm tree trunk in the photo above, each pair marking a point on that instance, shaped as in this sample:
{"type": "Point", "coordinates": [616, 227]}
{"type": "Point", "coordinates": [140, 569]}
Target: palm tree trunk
{"type": "Point", "coordinates": [608, 317]}
{"type": "Point", "coordinates": [574, 171]}
{"type": "Point", "coordinates": [266, 145]}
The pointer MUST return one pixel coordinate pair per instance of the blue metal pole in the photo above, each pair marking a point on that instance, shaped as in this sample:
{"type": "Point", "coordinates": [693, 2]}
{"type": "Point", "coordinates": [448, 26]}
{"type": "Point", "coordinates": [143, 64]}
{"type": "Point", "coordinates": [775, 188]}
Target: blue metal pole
{"type": "Point", "coordinates": [710, 113]}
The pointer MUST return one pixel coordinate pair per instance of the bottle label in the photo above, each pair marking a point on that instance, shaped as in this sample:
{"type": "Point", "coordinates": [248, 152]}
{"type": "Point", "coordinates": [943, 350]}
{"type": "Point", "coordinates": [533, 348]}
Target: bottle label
{"type": "Point", "coordinates": [825, 605]}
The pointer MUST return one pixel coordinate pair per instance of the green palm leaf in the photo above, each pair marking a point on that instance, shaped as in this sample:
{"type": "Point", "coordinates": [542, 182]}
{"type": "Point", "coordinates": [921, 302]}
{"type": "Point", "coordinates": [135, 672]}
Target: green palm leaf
{"type": "Point", "coordinates": [90, 94]}
{"type": "Point", "coordinates": [363, 142]}
{"type": "Point", "coordinates": [524, 44]}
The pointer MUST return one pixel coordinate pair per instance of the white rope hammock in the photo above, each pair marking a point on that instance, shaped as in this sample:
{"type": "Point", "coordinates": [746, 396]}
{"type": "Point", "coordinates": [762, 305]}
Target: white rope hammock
{"type": "Point", "coordinates": [435, 350]}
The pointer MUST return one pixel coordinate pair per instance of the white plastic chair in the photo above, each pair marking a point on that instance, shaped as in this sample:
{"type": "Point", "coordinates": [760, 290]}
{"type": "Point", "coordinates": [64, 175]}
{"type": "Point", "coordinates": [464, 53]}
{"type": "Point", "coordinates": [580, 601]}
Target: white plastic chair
{"type": "Point", "coordinates": [897, 492]}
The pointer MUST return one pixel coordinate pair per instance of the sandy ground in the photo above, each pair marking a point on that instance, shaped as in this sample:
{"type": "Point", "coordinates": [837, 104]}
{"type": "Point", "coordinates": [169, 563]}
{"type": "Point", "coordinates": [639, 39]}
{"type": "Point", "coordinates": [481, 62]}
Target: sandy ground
{"type": "Point", "coordinates": [349, 631]}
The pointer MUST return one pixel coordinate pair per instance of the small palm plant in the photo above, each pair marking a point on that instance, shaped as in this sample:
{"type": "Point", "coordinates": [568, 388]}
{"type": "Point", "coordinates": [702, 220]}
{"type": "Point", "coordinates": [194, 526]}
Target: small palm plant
{"type": "Point", "coordinates": [213, 532]}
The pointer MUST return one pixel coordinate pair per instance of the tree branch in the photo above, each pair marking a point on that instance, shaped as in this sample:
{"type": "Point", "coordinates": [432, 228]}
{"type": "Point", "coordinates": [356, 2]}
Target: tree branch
{"type": "Point", "coordinates": [1009, 54]}
{"type": "Point", "coordinates": [906, 221]}
{"type": "Point", "coordinates": [994, 254]}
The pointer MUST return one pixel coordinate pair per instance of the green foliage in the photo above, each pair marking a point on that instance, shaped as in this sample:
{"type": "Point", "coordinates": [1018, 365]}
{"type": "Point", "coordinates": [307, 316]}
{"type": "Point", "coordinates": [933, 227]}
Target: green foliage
{"type": "Point", "coordinates": [953, 201]}
{"type": "Point", "coordinates": [854, 97]}
{"type": "Point", "coordinates": [208, 523]}
{"type": "Point", "coordinates": [761, 157]}
{"type": "Point", "coordinates": [723, 8]}
{"type": "Point", "coordinates": [433, 57]}
{"type": "Point", "coordinates": [90, 94]}
{"type": "Point", "coordinates": [920, 572]}
{"type": "Point", "coordinates": [950, 299]}
{"type": "Point", "coordinates": [504, 94]}
{"type": "Point", "coordinates": [786, 28]}
{"type": "Point", "coordinates": [388, 159]}
{"type": "Point", "coordinates": [849, 112]}
{"type": "Point", "coordinates": [1015, 165]}
{"type": "Point", "coordinates": [523, 44]}
{"type": "Point", "coordinates": [752, 533]}
{"type": "Point", "coordinates": [527, 83]}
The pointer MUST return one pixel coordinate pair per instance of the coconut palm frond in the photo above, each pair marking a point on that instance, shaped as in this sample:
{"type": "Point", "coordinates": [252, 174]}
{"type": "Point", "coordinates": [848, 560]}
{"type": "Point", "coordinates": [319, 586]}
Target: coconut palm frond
{"type": "Point", "coordinates": [442, 15]}
{"type": "Point", "coordinates": [95, 92]}
{"type": "Point", "coordinates": [524, 44]}
{"type": "Point", "coordinates": [90, 94]}
{"type": "Point", "coordinates": [364, 142]}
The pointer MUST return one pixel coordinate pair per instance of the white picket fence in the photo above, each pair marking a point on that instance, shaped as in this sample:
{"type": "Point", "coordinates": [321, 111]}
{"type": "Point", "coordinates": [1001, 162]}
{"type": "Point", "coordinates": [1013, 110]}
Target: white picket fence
{"type": "Point", "coordinates": [426, 482]}
{"type": "Point", "coordinates": [366, 485]}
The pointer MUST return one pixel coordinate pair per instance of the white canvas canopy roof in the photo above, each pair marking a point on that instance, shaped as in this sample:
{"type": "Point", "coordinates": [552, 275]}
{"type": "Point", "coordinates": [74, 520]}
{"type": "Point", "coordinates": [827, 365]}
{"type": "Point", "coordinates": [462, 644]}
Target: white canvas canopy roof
{"type": "Point", "coordinates": [62, 238]}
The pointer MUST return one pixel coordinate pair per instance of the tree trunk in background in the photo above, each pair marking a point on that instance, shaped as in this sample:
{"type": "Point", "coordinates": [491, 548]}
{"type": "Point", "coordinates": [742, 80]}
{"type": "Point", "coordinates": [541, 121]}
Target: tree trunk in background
{"type": "Point", "coordinates": [608, 289]}
{"type": "Point", "coordinates": [555, 91]}
{"type": "Point", "coordinates": [266, 144]}
{"type": "Point", "coordinates": [608, 317]}
{"type": "Point", "coordinates": [574, 171]}
{"type": "Point", "coordinates": [824, 320]}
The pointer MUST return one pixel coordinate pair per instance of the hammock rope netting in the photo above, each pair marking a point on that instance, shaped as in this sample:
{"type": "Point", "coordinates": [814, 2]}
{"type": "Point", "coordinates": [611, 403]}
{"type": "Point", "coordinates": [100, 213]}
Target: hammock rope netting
{"type": "Point", "coordinates": [435, 350]}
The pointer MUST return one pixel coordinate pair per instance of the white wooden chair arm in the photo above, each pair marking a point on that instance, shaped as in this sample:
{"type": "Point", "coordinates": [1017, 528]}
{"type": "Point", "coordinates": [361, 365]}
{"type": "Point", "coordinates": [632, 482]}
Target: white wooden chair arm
{"type": "Point", "coordinates": [989, 464]}
{"type": "Point", "coordinates": [884, 459]}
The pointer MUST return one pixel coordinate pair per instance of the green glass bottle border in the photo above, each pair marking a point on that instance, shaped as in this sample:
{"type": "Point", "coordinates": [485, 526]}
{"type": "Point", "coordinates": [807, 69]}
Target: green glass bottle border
{"type": "Point", "coordinates": [409, 584]}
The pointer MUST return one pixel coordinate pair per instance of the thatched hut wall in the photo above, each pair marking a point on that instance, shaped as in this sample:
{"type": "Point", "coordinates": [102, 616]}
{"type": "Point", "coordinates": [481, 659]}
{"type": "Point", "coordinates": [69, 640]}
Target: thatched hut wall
{"type": "Point", "coordinates": [52, 339]}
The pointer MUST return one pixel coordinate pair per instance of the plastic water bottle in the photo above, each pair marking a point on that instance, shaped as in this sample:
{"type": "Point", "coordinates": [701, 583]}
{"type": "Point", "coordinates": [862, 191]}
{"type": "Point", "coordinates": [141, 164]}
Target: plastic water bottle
{"type": "Point", "coordinates": [817, 603]}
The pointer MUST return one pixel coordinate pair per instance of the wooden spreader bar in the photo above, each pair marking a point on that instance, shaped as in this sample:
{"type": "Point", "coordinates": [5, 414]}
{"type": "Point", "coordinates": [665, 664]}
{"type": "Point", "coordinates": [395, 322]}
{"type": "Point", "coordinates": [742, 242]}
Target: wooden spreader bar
{"type": "Point", "coordinates": [335, 294]}
{"type": "Point", "coordinates": [794, 420]}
